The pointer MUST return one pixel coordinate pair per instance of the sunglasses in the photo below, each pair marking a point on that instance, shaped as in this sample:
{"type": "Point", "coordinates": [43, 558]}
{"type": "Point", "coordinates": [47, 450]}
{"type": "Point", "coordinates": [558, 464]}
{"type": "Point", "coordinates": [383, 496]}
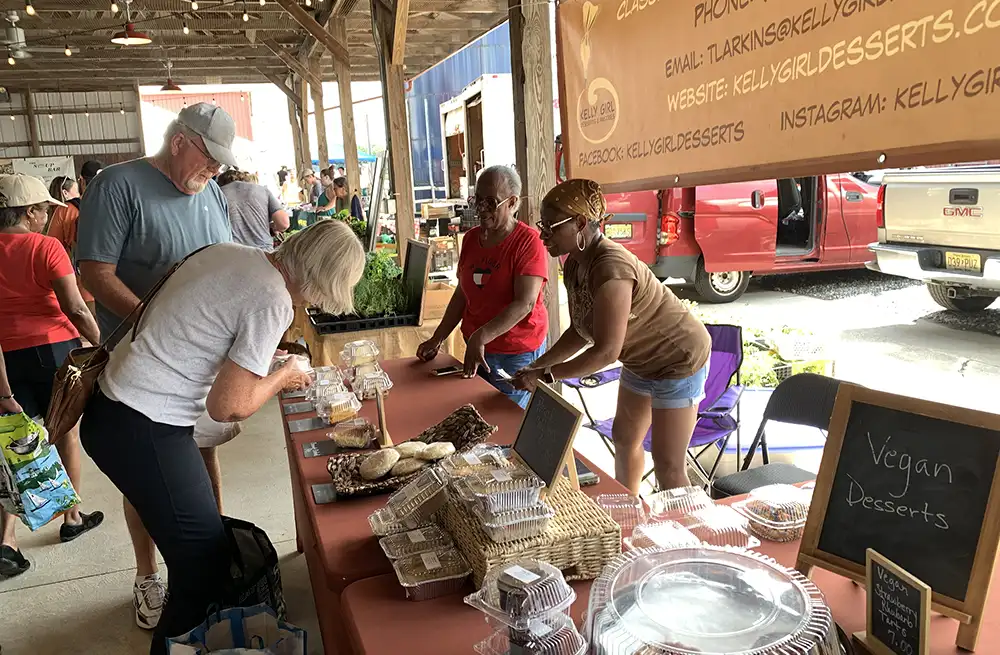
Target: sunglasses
{"type": "Point", "coordinates": [487, 204]}
{"type": "Point", "coordinates": [547, 230]}
{"type": "Point", "coordinates": [212, 162]}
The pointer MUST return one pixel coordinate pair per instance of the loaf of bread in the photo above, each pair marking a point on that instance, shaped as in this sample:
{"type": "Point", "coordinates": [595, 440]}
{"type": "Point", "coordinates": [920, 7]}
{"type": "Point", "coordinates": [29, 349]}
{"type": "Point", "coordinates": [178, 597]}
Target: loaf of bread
{"type": "Point", "coordinates": [436, 451]}
{"type": "Point", "coordinates": [407, 466]}
{"type": "Point", "coordinates": [409, 449]}
{"type": "Point", "coordinates": [377, 465]}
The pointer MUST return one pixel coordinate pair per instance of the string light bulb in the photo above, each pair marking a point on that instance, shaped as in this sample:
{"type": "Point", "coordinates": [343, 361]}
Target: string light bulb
{"type": "Point", "coordinates": [12, 117]}
{"type": "Point", "coordinates": [10, 57]}
{"type": "Point", "coordinates": [28, 8]}
{"type": "Point", "coordinates": [194, 6]}
{"type": "Point", "coordinates": [309, 3]}
{"type": "Point", "coordinates": [122, 109]}
{"type": "Point", "coordinates": [50, 116]}
{"type": "Point", "coordinates": [68, 51]}
{"type": "Point", "coordinates": [246, 16]}
{"type": "Point", "coordinates": [114, 7]}
{"type": "Point", "coordinates": [263, 2]}
{"type": "Point", "coordinates": [185, 29]}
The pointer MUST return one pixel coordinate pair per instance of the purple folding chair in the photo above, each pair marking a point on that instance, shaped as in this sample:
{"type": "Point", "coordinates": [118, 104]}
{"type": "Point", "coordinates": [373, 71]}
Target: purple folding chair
{"type": "Point", "coordinates": [718, 413]}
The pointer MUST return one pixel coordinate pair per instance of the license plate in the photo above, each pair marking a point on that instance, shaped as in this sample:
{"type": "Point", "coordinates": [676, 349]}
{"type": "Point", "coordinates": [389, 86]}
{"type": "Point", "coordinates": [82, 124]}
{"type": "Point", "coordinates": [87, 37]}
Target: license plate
{"type": "Point", "coordinates": [962, 261]}
{"type": "Point", "coordinates": [618, 231]}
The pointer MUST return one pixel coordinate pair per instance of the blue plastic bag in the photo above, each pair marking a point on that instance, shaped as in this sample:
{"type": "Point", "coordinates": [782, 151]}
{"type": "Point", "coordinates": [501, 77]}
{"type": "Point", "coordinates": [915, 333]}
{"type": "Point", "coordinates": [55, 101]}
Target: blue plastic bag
{"type": "Point", "coordinates": [33, 482]}
{"type": "Point", "coordinates": [242, 631]}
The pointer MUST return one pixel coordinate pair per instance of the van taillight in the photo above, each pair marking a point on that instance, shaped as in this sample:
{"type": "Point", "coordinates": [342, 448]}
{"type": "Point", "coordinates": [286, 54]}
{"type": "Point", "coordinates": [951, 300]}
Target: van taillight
{"type": "Point", "coordinates": [880, 208]}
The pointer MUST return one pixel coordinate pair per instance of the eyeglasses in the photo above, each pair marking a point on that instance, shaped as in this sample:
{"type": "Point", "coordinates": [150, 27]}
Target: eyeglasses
{"type": "Point", "coordinates": [212, 162]}
{"type": "Point", "coordinates": [547, 230]}
{"type": "Point", "coordinates": [487, 203]}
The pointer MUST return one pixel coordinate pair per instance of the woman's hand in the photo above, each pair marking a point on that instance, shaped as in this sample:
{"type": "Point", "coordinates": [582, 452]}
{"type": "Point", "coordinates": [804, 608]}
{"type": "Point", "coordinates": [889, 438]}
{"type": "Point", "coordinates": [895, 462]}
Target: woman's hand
{"type": "Point", "coordinates": [294, 378]}
{"type": "Point", "coordinates": [475, 355]}
{"type": "Point", "coordinates": [526, 379]}
{"type": "Point", "coordinates": [428, 350]}
{"type": "Point", "coordinates": [10, 406]}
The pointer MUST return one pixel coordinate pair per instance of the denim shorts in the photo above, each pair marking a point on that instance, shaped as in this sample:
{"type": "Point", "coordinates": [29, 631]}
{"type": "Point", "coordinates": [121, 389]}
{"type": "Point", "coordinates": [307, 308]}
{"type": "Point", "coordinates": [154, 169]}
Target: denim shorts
{"type": "Point", "coordinates": [668, 394]}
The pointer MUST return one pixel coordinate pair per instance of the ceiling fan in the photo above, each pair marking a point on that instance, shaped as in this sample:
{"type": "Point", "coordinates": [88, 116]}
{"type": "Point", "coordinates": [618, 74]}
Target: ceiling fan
{"type": "Point", "coordinates": [13, 39]}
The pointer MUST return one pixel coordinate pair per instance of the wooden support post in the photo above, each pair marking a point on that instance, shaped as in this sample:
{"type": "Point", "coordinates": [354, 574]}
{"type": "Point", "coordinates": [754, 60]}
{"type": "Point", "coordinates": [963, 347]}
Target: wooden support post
{"type": "Point", "coordinates": [29, 108]}
{"type": "Point", "coordinates": [304, 120]}
{"type": "Point", "coordinates": [320, 115]}
{"type": "Point", "coordinates": [293, 120]}
{"type": "Point", "coordinates": [288, 60]}
{"type": "Point", "coordinates": [343, 69]}
{"type": "Point", "coordinates": [138, 118]}
{"type": "Point", "coordinates": [393, 90]}
{"type": "Point", "coordinates": [284, 88]}
{"type": "Point", "coordinates": [534, 132]}
{"type": "Point", "coordinates": [399, 32]}
{"type": "Point", "coordinates": [336, 48]}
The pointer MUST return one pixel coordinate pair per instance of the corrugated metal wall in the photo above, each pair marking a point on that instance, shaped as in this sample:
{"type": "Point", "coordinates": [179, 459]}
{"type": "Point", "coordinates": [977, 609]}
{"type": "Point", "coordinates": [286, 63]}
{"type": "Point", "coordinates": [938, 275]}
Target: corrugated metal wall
{"type": "Point", "coordinates": [488, 54]}
{"type": "Point", "coordinates": [236, 104]}
{"type": "Point", "coordinates": [82, 124]}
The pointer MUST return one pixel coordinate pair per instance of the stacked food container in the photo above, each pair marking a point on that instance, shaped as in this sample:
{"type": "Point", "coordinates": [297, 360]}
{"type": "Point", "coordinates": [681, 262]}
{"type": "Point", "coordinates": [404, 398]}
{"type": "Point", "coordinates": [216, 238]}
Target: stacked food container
{"type": "Point", "coordinates": [504, 497]}
{"type": "Point", "coordinates": [423, 556]}
{"type": "Point", "coordinates": [362, 370]}
{"type": "Point", "coordinates": [528, 603]}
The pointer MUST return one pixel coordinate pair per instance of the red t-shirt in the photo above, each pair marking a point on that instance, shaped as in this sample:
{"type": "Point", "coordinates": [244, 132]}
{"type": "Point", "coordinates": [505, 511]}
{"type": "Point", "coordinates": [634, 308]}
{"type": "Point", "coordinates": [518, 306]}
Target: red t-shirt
{"type": "Point", "coordinates": [31, 315]}
{"type": "Point", "coordinates": [487, 279]}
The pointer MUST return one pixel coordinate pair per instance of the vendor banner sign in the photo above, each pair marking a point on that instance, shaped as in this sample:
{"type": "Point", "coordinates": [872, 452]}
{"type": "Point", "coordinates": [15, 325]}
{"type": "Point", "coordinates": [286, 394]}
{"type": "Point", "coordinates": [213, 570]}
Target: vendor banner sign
{"type": "Point", "coordinates": [660, 93]}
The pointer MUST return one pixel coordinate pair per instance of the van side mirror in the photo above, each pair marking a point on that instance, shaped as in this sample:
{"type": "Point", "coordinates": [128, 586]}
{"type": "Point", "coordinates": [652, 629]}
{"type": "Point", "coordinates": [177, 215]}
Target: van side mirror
{"type": "Point", "coordinates": [757, 199]}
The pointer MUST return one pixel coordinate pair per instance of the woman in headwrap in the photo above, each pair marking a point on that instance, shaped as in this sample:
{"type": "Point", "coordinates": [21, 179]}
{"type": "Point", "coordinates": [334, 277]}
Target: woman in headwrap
{"type": "Point", "coordinates": [623, 313]}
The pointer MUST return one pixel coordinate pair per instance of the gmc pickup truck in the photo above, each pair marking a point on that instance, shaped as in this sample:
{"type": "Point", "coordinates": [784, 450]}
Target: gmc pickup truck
{"type": "Point", "coordinates": [942, 227]}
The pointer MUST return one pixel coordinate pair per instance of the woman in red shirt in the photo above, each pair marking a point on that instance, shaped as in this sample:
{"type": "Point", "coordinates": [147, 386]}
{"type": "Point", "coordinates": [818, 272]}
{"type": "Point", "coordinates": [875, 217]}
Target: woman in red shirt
{"type": "Point", "coordinates": [64, 220]}
{"type": "Point", "coordinates": [502, 271]}
{"type": "Point", "coordinates": [43, 317]}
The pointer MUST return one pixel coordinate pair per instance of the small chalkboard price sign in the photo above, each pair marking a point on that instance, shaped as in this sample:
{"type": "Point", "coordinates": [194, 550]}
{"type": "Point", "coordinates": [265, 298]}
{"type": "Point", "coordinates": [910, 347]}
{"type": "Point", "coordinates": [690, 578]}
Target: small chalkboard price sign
{"type": "Point", "coordinates": [545, 440]}
{"type": "Point", "coordinates": [899, 610]}
{"type": "Point", "coordinates": [917, 482]}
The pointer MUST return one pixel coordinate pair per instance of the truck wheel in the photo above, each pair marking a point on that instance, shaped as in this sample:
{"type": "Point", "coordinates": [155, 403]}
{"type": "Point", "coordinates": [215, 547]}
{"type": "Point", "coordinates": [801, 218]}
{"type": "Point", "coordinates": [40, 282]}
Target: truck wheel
{"type": "Point", "coordinates": [939, 293]}
{"type": "Point", "coordinates": [720, 287]}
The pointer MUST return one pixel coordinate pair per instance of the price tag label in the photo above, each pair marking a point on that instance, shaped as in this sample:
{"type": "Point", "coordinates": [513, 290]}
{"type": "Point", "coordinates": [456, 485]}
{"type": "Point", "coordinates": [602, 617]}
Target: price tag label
{"type": "Point", "coordinates": [471, 459]}
{"type": "Point", "coordinates": [538, 629]}
{"type": "Point", "coordinates": [502, 476]}
{"type": "Point", "coordinates": [431, 561]}
{"type": "Point", "coordinates": [416, 537]}
{"type": "Point", "coordinates": [521, 574]}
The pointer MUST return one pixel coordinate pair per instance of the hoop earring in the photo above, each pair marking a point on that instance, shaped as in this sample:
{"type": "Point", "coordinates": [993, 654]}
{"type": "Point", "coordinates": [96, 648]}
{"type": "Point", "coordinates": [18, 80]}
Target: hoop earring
{"type": "Point", "coordinates": [578, 244]}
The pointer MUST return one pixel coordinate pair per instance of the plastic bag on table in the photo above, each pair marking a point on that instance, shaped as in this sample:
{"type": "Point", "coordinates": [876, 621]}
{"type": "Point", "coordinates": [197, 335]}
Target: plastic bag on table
{"type": "Point", "coordinates": [33, 482]}
{"type": "Point", "coordinates": [242, 630]}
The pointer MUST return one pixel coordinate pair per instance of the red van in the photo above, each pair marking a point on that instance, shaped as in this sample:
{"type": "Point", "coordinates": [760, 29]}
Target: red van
{"type": "Point", "coordinates": [717, 236]}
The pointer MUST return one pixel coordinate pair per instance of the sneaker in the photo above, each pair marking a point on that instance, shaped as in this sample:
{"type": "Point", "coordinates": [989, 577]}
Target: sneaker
{"type": "Point", "coordinates": [12, 562]}
{"type": "Point", "coordinates": [147, 598]}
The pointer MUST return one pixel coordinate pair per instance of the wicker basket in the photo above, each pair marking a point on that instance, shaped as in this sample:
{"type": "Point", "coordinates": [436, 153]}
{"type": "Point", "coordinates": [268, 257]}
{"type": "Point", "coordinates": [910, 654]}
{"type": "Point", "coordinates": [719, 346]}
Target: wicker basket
{"type": "Point", "coordinates": [580, 540]}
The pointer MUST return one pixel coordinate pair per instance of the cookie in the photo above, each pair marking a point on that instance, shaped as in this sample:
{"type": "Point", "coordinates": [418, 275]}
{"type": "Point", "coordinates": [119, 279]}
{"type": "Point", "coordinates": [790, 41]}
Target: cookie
{"type": "Point", "coordinates": [377, 465]}
{"type": "Point", "coordinates": [407, 466]}
{"type": "Point", "coordinates": [437, 451]}
{"type": "Point", "coordinates": [409, 449]}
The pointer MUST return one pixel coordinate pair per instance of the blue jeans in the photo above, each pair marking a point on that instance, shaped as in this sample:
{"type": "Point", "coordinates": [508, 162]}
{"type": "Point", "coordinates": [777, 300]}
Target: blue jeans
{"type": "Point", "coordinates": [510, 364]}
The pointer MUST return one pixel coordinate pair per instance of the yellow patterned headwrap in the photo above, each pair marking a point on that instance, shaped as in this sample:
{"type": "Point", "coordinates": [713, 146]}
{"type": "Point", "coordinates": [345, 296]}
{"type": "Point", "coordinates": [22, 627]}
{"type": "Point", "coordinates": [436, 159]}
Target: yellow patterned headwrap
{"type": "Point", "coordinates": [578, 198]}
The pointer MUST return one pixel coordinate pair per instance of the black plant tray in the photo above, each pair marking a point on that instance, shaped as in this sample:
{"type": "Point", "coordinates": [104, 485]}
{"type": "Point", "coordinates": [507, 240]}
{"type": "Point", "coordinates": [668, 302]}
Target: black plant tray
{"type": "Point", "coordinates": [327, 324]}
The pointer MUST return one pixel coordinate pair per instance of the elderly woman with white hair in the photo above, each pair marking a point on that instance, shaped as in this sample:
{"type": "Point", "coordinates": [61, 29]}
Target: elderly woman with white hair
{"type": "Point", "coordinates": [206, 340]}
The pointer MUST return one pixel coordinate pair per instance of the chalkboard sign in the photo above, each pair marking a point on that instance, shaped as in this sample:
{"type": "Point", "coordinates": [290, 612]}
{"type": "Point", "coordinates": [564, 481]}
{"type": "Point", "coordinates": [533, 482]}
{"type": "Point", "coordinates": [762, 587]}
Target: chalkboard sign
{"type": "Point", "coordinates": [917, 482]}
{"type": "Point", "coordinates": [899, 610]}
{"type": "Point", "coordinates": [545, 441]}
{"type": "Point", "coordinates": [416, 268]}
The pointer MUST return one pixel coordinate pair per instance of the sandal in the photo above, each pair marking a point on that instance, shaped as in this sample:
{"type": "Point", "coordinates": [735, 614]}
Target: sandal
{"type": "Point", "coordinates": [90, 521]}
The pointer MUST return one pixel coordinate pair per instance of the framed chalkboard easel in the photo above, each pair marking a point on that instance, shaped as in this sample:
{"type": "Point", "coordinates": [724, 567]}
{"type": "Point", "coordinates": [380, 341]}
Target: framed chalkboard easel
{"type": "Point", "coordinates": [544, 442]}
{"type": "Point", "coordinates": [916, 481]}
{"type": "Point", "coordinates": [899, 607]}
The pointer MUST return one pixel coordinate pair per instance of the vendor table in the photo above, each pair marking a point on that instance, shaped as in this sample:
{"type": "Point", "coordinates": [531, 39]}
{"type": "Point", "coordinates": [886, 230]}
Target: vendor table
{"type": "Point", "coordinates": [336, 538]}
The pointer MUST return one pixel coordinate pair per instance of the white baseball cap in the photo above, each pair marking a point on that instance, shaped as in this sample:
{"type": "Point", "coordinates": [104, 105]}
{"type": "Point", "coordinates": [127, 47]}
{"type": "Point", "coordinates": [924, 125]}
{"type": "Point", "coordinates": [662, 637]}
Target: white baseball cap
{"type": "Point", "coordinates": [20, 190]}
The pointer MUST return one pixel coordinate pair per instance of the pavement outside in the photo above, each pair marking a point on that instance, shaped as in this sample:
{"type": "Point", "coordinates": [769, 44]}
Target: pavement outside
{"type": "Point", "coordinates": [883, 333]}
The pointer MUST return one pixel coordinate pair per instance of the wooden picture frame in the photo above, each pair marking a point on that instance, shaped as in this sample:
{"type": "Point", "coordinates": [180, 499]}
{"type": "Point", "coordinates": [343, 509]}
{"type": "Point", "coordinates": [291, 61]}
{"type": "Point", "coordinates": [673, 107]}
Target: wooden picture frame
{"type": "Point", "coordinates": [872, 643]}
{"type": "Point", "coordinates": [568, 458]}
{"type": "Point", "coordinates": [968, 611]}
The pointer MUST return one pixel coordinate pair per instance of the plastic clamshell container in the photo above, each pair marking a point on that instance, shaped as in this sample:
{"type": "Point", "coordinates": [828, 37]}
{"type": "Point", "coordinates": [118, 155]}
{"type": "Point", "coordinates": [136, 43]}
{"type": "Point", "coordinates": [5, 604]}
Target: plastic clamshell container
{"type": "Point", "coordinates": [357, 372]}
{"type": "Point", "coordinates": [354, 433]}
{"type": "Point", "coordinates": [479, 458]}
{"type": "Point", "coordinates": [417, 502]}
{"type": "Point", "coordinates": [776, 512]}
{"type": "Point", "coordinates": [720, 525]}
{"type": "Point", "coordinates": [360, 352]}
{"type": "Point", "coordinates": [676, 503]}
{"type": "Point", "coordinates": [384, 522]}
{"type": "Point", "coordinates": [668, 534]}
{"type": "Point", "coordinates": [415, 542]}
{"type": "Point", "coordinates": [432, 574]}
{"type": "Point", "coordinates": [500, 490]}
{"type": "Point", "coordinates": [624, 509]}
{"type": "Point", "coordinates": [323, 389]}
{"type": "Point", "coordinates": [515, 524]}
{"type": "Point", "coordinates": [368, 385]}
{"type": "Point", "coordinates": [338, 407]}
{"type": "Point", "coordinates": [555, 635]}
{"type": "Point", "coordinates": [301, 363]}
{"type": "Point", "coordinates": [519, 592]}
{"type": "Point", "coordinates": [329, 373]}
{"type": "Point", "coordinates": [706, 600]}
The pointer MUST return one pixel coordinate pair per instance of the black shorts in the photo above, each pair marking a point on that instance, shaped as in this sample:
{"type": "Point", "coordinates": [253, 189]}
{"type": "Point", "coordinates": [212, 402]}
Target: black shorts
{"type": "Point", "coordinates": [31, 372]}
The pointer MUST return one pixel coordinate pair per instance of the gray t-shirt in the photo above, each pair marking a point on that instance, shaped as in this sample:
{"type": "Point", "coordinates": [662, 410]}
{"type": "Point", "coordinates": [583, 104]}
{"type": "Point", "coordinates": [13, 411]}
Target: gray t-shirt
{"type": "Point", "coordinates": [250, 209]}
{"type": "Point", "coordinates": [133, 216]}
{"type": "Point", "coordinates": [227, 301]}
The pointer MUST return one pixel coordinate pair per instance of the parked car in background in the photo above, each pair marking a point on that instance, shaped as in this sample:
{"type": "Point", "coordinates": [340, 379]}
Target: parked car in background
{"type": "Point", "coordinates": [942, 226]}
{"type": "Point", "coordinates": [717, 236]}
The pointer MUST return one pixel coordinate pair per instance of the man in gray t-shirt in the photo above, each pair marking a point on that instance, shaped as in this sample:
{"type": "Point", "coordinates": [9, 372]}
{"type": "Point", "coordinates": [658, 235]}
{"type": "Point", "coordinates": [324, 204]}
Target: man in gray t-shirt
{"type": "Point", "coordinates": [255, 214]}
{"type": "Point", "coordinates": [136, 220]}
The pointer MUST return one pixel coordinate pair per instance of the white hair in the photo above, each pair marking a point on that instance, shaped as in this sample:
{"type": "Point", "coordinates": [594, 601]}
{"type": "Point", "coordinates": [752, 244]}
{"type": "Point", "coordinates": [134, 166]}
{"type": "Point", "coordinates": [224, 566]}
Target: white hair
{"type": "Point", "coordinates": [511, 180]}
{"type": "Point", "coordinates": [325, 261]}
